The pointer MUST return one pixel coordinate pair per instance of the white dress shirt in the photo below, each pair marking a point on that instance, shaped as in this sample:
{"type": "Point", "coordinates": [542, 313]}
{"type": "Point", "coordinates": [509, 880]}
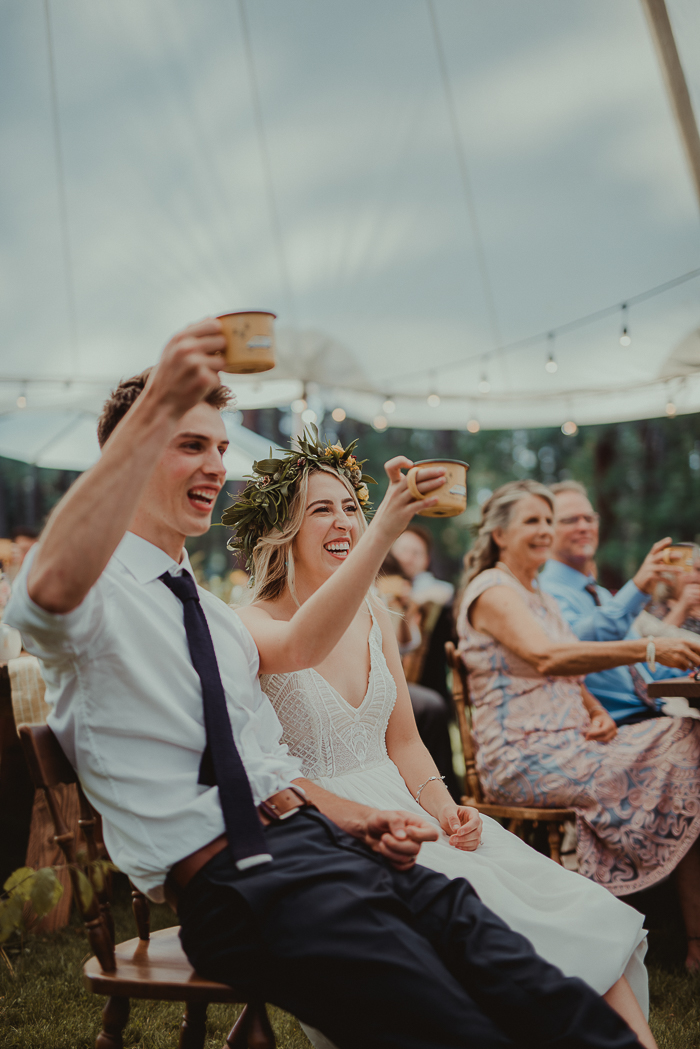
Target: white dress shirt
{"type": "Point", "coordinates": [128, 711]}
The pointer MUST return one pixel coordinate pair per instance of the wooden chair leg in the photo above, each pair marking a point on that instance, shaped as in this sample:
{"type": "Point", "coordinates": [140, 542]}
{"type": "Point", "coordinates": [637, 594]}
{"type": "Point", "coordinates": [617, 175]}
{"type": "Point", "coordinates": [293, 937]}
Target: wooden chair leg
{"type": "Point", "coordinates": [142, 913]}
{"type": "Point", "coordinates": [554, 839]}
{"type": "Point", "coordinates": [516, 827]}
{"type": "Point", "coordinates": [115, 1016]}
{"type": "Point", "coordinates": [193, 1029]}
{"type": "Point", "coordinates": [252, 1029]}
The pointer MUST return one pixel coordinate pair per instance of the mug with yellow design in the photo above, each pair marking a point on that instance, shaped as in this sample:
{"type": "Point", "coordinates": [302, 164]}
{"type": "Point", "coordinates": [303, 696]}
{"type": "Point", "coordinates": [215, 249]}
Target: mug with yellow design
{"type": "Point", "coordinates": [250, 341]}
{"type": "Point", "coordinates": [685, 556]}
{"type": "Point", "coordinates": [452, 495]}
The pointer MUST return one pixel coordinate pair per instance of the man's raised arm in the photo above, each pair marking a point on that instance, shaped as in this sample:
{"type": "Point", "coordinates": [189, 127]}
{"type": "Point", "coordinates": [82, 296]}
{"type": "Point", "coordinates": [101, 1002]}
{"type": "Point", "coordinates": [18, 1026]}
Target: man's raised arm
{"type": "Point", "coordinates": [90, 521]}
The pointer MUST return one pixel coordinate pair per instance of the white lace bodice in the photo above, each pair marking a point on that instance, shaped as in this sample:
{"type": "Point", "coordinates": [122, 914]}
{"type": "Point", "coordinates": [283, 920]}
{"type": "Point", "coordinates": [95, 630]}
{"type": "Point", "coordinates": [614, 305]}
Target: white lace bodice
{"type": "Point", "coordinates": [323, 730]}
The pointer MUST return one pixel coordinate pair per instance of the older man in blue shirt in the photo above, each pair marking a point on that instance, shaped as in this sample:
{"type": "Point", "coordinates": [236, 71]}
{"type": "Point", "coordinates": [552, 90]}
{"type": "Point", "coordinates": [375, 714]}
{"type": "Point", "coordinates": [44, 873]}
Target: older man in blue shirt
{"type": "Point", "coordinates": [592, 611]}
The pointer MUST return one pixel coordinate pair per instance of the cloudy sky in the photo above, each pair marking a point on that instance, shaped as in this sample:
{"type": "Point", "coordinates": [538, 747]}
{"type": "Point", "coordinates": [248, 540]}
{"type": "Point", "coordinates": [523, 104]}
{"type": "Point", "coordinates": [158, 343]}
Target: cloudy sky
{"type": "Point", "coordinates": [579, 183]}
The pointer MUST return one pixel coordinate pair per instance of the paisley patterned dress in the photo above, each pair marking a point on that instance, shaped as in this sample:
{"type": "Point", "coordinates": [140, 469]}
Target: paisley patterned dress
{"type": "Point", "coordinates": [637, 798]}
{"type": "Point", "coordinates": [571, 922]}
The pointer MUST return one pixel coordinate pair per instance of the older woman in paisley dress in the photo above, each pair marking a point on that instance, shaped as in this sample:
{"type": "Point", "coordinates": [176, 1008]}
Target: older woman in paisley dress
{"type": "Point", "coordinates": [350, 722]}
{"type": "Point", "coordinates": [543, 739]}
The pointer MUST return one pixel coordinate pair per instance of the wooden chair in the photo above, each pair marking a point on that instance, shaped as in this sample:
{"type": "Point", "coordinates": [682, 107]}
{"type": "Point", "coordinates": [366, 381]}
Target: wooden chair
{"type": "Point", "coordinates": [154, 966]}
{"type": "Point", "coordinates": [518, 816]}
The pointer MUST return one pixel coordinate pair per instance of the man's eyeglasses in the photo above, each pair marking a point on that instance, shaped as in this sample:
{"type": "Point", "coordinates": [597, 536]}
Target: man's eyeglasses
{"type": "Point", "coordinates": [588, 519]}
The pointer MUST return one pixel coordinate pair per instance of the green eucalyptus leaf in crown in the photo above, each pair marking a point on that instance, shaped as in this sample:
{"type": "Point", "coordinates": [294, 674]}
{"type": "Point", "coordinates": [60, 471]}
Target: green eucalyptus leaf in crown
{"type": "Point", "coordinates": [264, 502]}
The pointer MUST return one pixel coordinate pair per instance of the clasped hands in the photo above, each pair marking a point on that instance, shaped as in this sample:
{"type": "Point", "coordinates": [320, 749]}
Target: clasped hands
{"type": "Point", "coordinates": [398, 835]}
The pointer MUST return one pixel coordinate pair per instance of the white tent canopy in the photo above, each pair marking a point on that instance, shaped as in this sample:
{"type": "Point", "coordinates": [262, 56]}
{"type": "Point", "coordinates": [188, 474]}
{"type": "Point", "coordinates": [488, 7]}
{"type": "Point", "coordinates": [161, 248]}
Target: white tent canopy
{"type": "Point", "coordinates": [421, 199]}
{"type": "Point", "coordinates": [65, 439]}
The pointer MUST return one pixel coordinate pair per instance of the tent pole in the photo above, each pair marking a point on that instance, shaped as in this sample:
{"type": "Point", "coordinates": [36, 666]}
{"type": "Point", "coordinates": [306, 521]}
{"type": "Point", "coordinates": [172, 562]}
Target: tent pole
{"type": "Point", "coordinates": [667, 52]}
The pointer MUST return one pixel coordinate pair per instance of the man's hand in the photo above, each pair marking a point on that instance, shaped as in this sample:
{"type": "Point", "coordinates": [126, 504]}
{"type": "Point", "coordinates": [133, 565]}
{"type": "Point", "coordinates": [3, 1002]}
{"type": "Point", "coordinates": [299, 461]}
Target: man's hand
{"type": "Point", "coordinates": [677, 652]}
{"type": "Point", "coordinates": [602, 728]}
{"type": "Point", "coordinates": [189, 367]}
{"type": "Point", "coordinates": [653, 566]}
{"type": "Point", "coordinates": [397, 836]}
{"type": "Point", "coordinates": [463, 824]}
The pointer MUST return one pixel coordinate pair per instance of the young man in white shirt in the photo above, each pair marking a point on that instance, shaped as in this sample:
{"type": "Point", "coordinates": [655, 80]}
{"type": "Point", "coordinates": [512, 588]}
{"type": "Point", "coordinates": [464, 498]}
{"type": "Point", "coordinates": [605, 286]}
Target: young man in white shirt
{"type": "Point", "coordinates": [325, 913]}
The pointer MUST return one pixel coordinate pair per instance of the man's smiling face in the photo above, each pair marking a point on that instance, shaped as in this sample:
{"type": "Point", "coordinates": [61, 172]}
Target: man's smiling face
{"type": "Point", "coordinates": [180, 496]}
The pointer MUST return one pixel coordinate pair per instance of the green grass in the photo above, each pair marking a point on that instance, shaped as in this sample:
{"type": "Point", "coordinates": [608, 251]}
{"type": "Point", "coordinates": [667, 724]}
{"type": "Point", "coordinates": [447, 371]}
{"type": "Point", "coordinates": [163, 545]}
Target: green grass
{"type": "Point", "coordinates": [44, 1005]}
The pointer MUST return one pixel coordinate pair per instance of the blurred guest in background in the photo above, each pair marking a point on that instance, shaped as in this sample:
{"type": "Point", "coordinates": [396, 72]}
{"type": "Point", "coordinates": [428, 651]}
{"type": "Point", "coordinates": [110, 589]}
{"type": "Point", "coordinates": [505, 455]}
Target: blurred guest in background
{"type": "Point", "coordinates": [426, 664]}
{"type": "Point", "coordinates": [592, 612]}
{"type": "Point", "coordinates": [543, 739]}
{"type": "Point", "coordinates": [23, 539]}
{"type": "Point", "coordinates": [677, 602]}
{"type": "Point", "coordinates": [431, 712]}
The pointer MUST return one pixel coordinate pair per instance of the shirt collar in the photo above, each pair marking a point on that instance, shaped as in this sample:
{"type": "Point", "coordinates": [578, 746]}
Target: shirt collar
{"type": "Point", "coordinates": [147, 562]}
{"type": "Point", "coordinates": [558, 571]}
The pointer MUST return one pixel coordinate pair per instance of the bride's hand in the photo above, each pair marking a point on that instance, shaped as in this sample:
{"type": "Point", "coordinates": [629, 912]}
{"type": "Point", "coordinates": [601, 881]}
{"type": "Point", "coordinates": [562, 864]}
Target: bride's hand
{"type": "Point", "coordinates": [396, 835]}
{"type": "Point", "coordinates": [464, 826]}
{"type": "Point", "coordinates": [398, 505]}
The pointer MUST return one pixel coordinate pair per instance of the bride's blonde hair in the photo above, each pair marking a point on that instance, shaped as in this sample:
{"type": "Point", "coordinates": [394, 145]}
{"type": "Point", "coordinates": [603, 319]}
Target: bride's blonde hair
{"type": "Point", "coordinates": [273, 555]}
{"type": "Point", "coordinates": [497, 512]}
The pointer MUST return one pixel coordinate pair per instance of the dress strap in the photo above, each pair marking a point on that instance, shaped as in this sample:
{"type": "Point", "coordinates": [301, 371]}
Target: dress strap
{"type": "Point", "coordinates": [375, 622]}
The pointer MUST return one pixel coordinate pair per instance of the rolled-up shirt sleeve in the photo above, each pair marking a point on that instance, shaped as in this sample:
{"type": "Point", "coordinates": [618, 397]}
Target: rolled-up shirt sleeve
{"type": "Point", "coordinates": [51, 637]}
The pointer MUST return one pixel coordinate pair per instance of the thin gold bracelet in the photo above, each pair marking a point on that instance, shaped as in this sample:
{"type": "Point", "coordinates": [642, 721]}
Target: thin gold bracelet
{"type": "Point", "coordinates": [426, 784]}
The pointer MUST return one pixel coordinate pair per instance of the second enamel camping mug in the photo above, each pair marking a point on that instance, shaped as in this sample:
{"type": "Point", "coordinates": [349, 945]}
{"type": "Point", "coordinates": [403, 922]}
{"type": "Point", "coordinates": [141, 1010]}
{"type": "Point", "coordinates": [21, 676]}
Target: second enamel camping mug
{"type": "Point", "coordinates": [452, 495]}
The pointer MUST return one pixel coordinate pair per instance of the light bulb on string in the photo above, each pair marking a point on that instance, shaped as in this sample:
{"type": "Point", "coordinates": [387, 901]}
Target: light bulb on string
{"type": "Point", "coordinates": [551, 365]}
{"type": "Point", "coordinates": [298, 406]}
{"type": "Point", "coordinates": [309, 416]}
{"type": "Point", "coordinates": [569, 429]}
{"type": "Point", "coordinates": [22, 401]}
{"type": "Point", "coordinates": [484, 384]}
{"type": "Point", "coordinates": [380, 422]}
{"type": "Point", "coordinates": [625, 339]}
{"type": "Point", "coordinates": [338, 415]}
{"type": "Point", "coordinates": [473, 426]}
{"type": "Point", "coordinates": [671, 409]}
{"type": "Point", "coordinates": [388, 407]}
{"type": "Point", "coordinates": [433, 400]}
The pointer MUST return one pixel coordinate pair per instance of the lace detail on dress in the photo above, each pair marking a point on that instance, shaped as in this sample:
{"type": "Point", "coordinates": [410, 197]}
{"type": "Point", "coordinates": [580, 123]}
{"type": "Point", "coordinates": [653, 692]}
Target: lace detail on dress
{"type": "Point", "coordinates": [323, 730]}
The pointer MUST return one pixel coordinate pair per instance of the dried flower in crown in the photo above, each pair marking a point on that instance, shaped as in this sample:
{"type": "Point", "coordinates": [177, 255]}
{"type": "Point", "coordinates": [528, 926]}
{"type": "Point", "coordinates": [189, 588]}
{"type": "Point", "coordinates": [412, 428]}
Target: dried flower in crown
{"type": "Point", "coordinates": [264, 502]}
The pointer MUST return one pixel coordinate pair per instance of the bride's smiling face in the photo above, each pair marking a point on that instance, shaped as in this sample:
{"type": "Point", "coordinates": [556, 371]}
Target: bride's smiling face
{"type": "Point", "coordinates": [329, 530]}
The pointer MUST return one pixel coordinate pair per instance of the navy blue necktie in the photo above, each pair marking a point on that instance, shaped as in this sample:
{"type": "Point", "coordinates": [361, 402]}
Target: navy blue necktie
{"type": "Point", "coordinates": [221, 763]}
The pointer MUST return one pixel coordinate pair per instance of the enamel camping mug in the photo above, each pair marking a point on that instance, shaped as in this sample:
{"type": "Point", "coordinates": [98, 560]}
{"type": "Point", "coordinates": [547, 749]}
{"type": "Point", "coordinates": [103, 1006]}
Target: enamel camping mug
{"type": "Point", "coordinates": [250, 341]}
{"type": "Point", "coordinates": [452, 495]}
{"type": "Point", "coordinates": [682, 555]}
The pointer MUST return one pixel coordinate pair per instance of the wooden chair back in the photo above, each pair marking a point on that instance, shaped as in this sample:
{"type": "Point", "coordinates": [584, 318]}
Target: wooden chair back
{"type": "Point", "coordinates": [163, 973]}
{"type": "Point", "coordinates": [414, 661]}
{"type": "Point", "coordinates": [460, 697]}
{"type": "Point", "coordinates": [49, 767]}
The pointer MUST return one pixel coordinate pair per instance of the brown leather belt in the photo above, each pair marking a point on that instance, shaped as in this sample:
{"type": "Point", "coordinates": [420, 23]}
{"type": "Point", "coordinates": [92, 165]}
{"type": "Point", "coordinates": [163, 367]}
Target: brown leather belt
{"type": "Point", "coordinates": [279, 806]}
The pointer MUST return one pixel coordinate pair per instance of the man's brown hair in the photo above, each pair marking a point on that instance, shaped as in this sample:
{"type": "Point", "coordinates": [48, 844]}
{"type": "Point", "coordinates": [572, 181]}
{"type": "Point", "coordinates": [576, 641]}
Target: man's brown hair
{"type": "Point", "coordinates": [122, 398]}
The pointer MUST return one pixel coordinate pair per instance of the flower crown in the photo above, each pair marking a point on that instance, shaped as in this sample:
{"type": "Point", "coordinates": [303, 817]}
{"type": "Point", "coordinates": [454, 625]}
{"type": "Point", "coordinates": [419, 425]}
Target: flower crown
{"type": "Point", "coordinates": [264, 502]}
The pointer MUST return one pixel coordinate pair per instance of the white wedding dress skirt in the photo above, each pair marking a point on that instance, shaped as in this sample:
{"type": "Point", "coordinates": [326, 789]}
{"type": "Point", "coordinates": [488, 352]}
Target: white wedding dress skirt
{"type": "Point", "coordinates": [571, 921]}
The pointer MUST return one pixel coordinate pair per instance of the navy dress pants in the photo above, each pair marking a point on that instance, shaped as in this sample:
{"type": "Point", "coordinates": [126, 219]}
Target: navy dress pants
{"type": "Point", "coordinates": [381, 959]}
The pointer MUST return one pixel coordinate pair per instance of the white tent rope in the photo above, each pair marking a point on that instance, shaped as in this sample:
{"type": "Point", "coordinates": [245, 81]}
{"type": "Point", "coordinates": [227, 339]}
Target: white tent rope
{"type": "Point", "coordinates": [465, 177]}
{"type": "Point", "coordinates": [62, 196]}
{"type": "Point", "coordinates": [266, 165]}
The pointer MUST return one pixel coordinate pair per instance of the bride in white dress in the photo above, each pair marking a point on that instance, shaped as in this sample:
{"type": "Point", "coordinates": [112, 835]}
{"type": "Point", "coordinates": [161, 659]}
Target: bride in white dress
{"type": "Point", "coordinates": [351, 723]}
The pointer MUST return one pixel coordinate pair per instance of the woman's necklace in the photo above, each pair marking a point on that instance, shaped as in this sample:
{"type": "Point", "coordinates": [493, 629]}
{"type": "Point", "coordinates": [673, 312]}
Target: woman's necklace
{"type": "Point", "coordinates": [535, 589]}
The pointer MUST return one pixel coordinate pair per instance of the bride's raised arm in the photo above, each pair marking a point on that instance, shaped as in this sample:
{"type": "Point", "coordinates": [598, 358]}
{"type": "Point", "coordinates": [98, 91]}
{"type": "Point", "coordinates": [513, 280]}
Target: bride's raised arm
{"type": "Point", "coordinates": [410, 755]}
{"type": "Point", "coordinates": [318, 625]}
